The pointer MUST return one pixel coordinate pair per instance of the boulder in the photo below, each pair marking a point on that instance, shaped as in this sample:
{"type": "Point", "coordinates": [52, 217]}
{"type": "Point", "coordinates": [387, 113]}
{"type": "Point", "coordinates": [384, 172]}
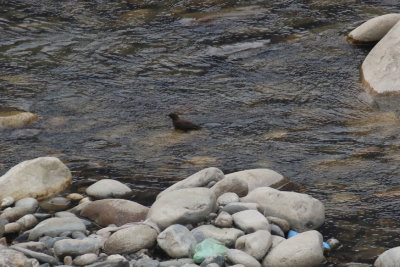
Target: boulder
{"type": "Point", "coordinates": [177, 241]}
{"type": "Point", "coordinates": [259, 178]}
{"type": "Point", "coordinates": [184, 206]}
{"type": "Point", "coordinates": [255, 244]}
{"type": "Point", "coordinates": [374, 29]}
{"type": "Point", "coordinates": [302, 250]}
{"type": "Point", "coordinates": [131, 239]}
{"type": "Point", "coordinates": [234, 207]}
{"type": "Point", "coordinates": [227, 236]}
{"type": "Point", "coordinates": [380, 68]}
{"type": "Point", "coordinates": [389, 258]}
{"type": "Point", "coordinates": [38, 178]}
{"type": "Point", "coordinates": [250, 221]}
{"type": "Point", "coordinates": [236, 256]}
{"type": "Point", "coordinates": [302, 211]}
{"type": "Point", "coordinates": [231, 184]}
{"type": "Point", "coordinates": [199, 179]}
{"type": "Point", "coordinates": [108, 188]}
{"type": "Point", "coordinates": [114, 211]}
{"type": "Point", "coordinates": [55, 226]}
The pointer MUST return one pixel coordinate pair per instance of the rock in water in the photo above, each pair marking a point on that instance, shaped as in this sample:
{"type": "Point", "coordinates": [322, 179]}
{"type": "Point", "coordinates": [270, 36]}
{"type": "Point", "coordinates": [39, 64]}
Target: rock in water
{"type": "Point", "coordinates": [388, 258]}
{"type": "Point", "coordinates": [114, 211]}
{"type": "Point", "coordinates": [38, 178]}
{"type": "Point", "coordinates": [380, 69]}
{"type": "Point", "coordinates": [15, 119]}
{"type": "Point", "coordinates": [108, 188]}
{"type": "Point", "coordinates": [190, 205]}
{"type": "Point", "coordinates": [374, 29]}
{"type": "Point", "coordinates": [302, 211]}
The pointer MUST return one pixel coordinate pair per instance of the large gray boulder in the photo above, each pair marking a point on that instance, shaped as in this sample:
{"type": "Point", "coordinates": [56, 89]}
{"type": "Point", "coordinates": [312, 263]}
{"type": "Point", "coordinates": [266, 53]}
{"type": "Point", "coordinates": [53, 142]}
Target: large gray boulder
{"type": "Point", "coordinates": [114, 211]}
{"type": "Point", "coordinates": [380, 69]}
{"type": "Point", "coordinates": [184, 206]}
{"type": "Point", "coordinates": [389, 258]}
{"type": "Point", "coordinates": [302, 250]}
{"type": "Point", "coordinates": [259, 178]}
{"type": "Point", "coordinates": [38, 178]}
{"type": "Point", "coordinates": [131, 239]}
{"type": "Point", "coordinates": [302, 211]}
{"type": "Point", "coordinates": [374, 29]}
{"type": "Point", "coordinates": [200, 179]}
{"type": "Point", "coordinates": [55, 226]}
{"type": "Point", "coordinates": [227, 236]}
{"type": "Point", "coordinates": [177, 241]}
{"type": "Point", "coordinates": [108, 188]}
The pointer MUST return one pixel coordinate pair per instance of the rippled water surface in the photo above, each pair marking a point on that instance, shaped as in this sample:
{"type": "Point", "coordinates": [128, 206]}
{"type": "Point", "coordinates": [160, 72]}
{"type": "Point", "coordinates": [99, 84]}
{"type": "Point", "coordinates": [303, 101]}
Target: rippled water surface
{"type": "Point", "coordinates": [274, 84]}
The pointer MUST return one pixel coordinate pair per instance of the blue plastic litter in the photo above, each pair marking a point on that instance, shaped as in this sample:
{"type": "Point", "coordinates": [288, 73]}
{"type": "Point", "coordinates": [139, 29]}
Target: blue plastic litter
{"type": "Point", "coordinates": [292, 233]}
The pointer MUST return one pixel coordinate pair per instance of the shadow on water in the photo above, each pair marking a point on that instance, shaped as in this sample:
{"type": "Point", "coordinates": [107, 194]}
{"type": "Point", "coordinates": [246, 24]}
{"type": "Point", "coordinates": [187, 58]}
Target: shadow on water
{"type": "Point", "coordinates": [274, 84]}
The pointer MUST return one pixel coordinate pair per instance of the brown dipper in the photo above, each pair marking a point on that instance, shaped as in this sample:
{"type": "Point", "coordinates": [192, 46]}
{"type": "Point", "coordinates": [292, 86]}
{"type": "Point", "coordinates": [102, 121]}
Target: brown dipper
{"type": "Point", "coordinates": [181, 124]}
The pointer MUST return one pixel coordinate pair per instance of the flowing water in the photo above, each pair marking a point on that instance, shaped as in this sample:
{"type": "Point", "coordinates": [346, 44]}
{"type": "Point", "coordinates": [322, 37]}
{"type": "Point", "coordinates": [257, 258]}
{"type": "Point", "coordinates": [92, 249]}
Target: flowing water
{"type": "Point", "coordinates": [274, 84]}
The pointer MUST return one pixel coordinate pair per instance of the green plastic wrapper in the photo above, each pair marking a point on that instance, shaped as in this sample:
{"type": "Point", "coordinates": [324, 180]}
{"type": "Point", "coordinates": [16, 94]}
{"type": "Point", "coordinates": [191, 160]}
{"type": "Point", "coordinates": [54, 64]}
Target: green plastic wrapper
{"type": "Point", "coordinates": [208, 247]}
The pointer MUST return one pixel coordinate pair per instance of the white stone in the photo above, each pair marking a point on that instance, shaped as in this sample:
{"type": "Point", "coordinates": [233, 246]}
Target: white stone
{"type": "Point", "coordinates": [108, 188]}
{"type": "Point", "coordinates": [227, 236]}
{"type": "Point", "coordinates": [28, 203]}
{"type": "Point", "coordinates": [199, 179]}
{"type": "Point", "coordinates": [302, 211]}
{"type": "Point", "coordinates": [177, 241]}
{"type": "Point", "coordinates": [227, 198]}
{"type": "Point", "coordinates": [389, 258]}
{"type": "Point", "coordinates": [302, 250]}
{"type": "Point", "coordinates": [374, 29]}
{"type": "Point", "coordinates": [250, 221]}
{"type": "Point", "coordinates": [184, 206]}
{"type": "Point", "coordinates": [234, 207]}
{"type": "Point", "coordinates": [259, 178]}
{"type": "Point", "coordinates": [380, 69]}
{"type": "Point", "coordinates": [231, 184]}
{"type": "Point", "coordinates": [17, 119]}
{"type": "Point", "coordinates": [55, 226]}
{"type": "Point", "coordinates": [223, 220]}
{"type": "Point", "coordinates": [85, 259]}
{"type": "Point", "coordinates": [276, 240]}
{"type": "Point", "coordinates": [38, 178]}
{"type": "Point", "coordinates": [76, 247]}
{"type": "Point", "coordinates": [236, 256]}
{"type": "Point", "coordinates": [6, 202]}
{"type": "Point", "coordinates": [255, 244]}
{"type": "Point", "coordinates": [27, 221]}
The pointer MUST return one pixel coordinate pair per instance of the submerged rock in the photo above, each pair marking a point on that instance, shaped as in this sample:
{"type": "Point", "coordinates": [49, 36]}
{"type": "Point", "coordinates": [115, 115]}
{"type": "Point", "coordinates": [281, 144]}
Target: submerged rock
{"type": "Point", "coordinates": [374, 29]}
{"type": "Point", "coordinates": [15, 118]}
{"type": "Point", "coordinates": [38, 178]}
{"type": "Point", "coordinates": [108, 188]}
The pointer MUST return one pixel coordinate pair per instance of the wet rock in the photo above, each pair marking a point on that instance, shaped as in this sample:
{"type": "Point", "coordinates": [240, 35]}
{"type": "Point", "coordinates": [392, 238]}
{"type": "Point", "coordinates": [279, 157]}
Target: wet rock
{"type": "Point", "coordinates": [302, 211]}
{"type": "Point", "coordinates": [177, 263]}
{"type": "Point", "coordinates": [333, 243]}
{"type": "Point", "coordinates": [177, 241]}
{"type": "Point", "coordinates": [226, 50]}
{"type": "Point", "coordinates": [85, 259]}
{"type": "Point", "coordinates": [6, 202]}
{"type": "Point", "coordinates": [231, 184]}
{"type": "Point", "coordinates": [76, 247]}
{"type": "Point", "coordinates": [108, 188]}
{"type": "Point", "coordinates": [55, 204]}
{"type": "Point", "coordinates": [380, 67]}
{"type": "Point", "coordinates": [227, 236]}
{"type": "Point", "coordinates": [227, 198]}
{"type": "Point", "coordinates": [11, 228]}
{"type": "Point", "coordinates": [41, 257]}
{"type": "Point", "coordinates": [224, 220]}
{"type": "Point", "coordinates": [233, 208]}
{"type": "Point", "coordinates": [283, 224]}
{"type": "Point", "coordinates": [130, 240]}
{"type": "Point", "coordinates": [13, 214]}
{"type": "Point", "coordinates": [114, 211]}
{"type": "Point", "coordinates": [38, 178]}
{"type": "Point", "coordinates": [259, 178]}
{"type": "Point", "coordinates": [15, 119]}
{"type": "Point", "coordinates": [199, 179]}
{"type": "Point", "coordinates": [255, 244]}
{"type": "Point", "coordinates": [302, 250]}
{"type": "Point", "coordinates": [374, 29]}
{"type": "Point", "coordinates": [28, 203]}
{"type": "Point", "coordinates": [55, 226]}
{"type": "Point", "coordinates": [184, 206]}
{"type": "Point", "coordinates": [236, 256]}
{"type": "Point", "coordinates": [250, 221]}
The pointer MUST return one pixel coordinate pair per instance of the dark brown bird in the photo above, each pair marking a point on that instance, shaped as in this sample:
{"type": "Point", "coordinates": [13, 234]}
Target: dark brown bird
{"type": "Point", "coordinates": [181, 124]}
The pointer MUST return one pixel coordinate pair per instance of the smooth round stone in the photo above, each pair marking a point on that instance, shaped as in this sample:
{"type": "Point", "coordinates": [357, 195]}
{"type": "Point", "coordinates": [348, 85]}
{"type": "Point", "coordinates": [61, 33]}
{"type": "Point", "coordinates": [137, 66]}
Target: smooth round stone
{"type": "Point", "coordinates": [227, 198]}
{"type": "Point", "coordinates": [75, 196]}
{"type": "Point", "coordinates": [283, 224]}
{"type": "Point", "coordinates": [177, 241]}
{"type": "Point", "coordinates": [28, 203]}
{"type": "Point", "coordinates": [13, 214]}
{"type": "Point", "coordinates": [256, 178]}
{"type": "Point", "coordinates": [236, 256]}
{"type": "Point", "coordinates": [215, 261]}
{"type": "Point", "coordinates": [16, 118]}
{"type": "Point", "coordinates": [27, 222]}
{"type": "Point", "coordinates": [6, 202]}
{"type": "Point", "coordinates": [227, 236]}
{"type": "Point", "coordinates": [116, 257]}
{"type": "Point", "coordinates": [223, 220]}
{"type": "Point", "coordinates": [255, 244]}
{"type": "Point", "coordinates": [333, 243]}
{"type": "Point", "coordinates": [76, 247]}
{"type": "Point", "coordinates": [68, 260]}
{"type": "Point", "coordinates": [147, 263]}
{"type": "Point", "coordinates": [55, 226]}
{"type": "Point", "coordinates": [276, 230]}
{"type": "Point", "coordinates": [63, 214]}
{"type": "Point", "coordinates": [232, 208]}
{"type": "Point", "coordinates": [130, 240]}
{"type": "Point", "coordinates": [276, 240]}
{"type": "Point", "coordinates": [250, 221]}
{"type": "Point", "coordinates": [85, 259]}
{"type": "Point", "coordinates": [55, 204]}
{"type": "Point", "coordinates": [11, 228]}
{"type": "Point", "coordinates": [231, 184]}
{"type": "Point", "coordinates": [108, 188]}
{"type": "Point", "coordinates": [389, 258]}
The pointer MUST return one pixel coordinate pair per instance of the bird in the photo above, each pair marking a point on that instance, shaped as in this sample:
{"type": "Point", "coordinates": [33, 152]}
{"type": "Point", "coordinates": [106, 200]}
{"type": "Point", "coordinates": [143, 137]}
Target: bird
{"type": "Point", "coordinates": [181, 124]}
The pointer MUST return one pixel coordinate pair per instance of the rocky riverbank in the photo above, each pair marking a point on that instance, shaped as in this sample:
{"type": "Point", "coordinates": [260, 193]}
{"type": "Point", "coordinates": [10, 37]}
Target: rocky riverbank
{"type": "Point", "coordinates": [207, 219]}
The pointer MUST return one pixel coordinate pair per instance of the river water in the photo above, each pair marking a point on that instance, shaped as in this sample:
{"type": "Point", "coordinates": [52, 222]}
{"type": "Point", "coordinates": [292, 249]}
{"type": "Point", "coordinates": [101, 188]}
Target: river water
{"type": "Point", "coordinates": [274, 84]}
